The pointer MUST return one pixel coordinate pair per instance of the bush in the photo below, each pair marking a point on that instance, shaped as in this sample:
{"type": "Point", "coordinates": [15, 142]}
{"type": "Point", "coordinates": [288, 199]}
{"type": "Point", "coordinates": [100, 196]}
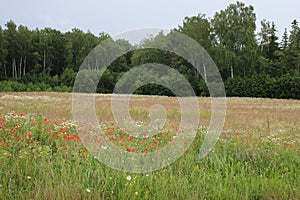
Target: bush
{"type": "Point", "coordinates": [284, 87]}
{"type": "Point", "coordinates": [287, 87]}
{"type": "Point", "coordinates": [63, 88]}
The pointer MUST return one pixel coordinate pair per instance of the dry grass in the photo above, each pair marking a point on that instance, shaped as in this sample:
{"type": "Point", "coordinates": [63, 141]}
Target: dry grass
{"type": "Point", "coordinates": [244, 115]}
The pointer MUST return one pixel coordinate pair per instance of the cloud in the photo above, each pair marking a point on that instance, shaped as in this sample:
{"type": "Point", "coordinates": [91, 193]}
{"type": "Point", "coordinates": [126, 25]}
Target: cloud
{"type": "Point", "coordinates": [61, 23]}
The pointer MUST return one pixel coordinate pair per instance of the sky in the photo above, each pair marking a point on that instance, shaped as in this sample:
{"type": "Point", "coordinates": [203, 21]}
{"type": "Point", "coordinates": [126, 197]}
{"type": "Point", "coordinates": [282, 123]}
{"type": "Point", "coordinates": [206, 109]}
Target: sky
{"type": "Point", "coordinates": [116, 16]}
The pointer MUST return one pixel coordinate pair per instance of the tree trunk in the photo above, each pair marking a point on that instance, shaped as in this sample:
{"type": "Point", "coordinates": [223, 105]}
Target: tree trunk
{"type": "Point", "coordinates": [298, 65]}
{"type": "Point", "coordinates": [5, 73]}
{"type": "Point", "coordinates": [44, 62]}
{"type": "Point", "coordinates": [20, 66]}
{"type": "Point", "coordinates": [204, 71]}
{"type": "Point", "coordinates": [14, 69]}
{"type": "Point", "coordinates": [231, 70]}
{"type": "Point", "coordinates": [24, 67]}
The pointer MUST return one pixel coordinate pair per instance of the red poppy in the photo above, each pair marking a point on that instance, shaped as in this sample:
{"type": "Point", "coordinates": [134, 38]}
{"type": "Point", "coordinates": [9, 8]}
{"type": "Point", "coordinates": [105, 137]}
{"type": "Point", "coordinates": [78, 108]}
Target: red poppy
{"type": "Point", "coordinates": [30, 135]}
{"type": "Point", "coordinates": [7, 144]}
{"type": "Point", "coordinates": [62, 130]}
{"type": "Point", "coordinates": [131, 139]}
{"type": "Point", "coordinates": [2, 120]}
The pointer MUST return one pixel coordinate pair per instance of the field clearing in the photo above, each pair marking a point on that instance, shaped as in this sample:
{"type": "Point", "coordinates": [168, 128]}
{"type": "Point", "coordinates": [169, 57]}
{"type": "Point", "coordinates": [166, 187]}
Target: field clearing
{"type": "Point", "coordinates": [244, 115]}
{"type": "Point", "coordinates": [43, 156]}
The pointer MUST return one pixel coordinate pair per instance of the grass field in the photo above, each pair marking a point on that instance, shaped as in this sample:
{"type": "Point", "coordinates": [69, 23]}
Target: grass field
{"type": "Point", "coordinates": [43, 157]}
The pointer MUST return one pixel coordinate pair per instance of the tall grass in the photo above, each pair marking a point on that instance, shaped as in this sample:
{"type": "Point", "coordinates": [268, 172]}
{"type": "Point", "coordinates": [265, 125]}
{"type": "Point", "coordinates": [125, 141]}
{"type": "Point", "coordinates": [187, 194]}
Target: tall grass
{"type": "Point", "coordinates": [45, 159]}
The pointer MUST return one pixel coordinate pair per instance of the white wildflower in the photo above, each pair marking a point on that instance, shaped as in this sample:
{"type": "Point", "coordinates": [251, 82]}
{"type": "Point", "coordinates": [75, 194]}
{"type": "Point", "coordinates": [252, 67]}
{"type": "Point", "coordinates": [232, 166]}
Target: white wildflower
{"type": "Point", "coordinates": [104, 147]}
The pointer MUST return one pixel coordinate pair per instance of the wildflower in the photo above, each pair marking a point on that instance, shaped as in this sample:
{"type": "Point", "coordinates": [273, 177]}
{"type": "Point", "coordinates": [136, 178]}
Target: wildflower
{"type": "Point", "coordinates": [61, 148]}
{"type": "Point", "coordinates": [2, 120]}
{"type": "Point", "coordinates": [131, 139]}
{"type": "Point", "coordinates": [16, 128]}
{"type": "Point", "coordinates": [128, 178]}
{"type": "Point", "coordinates": [47, 121]}
{"type": "Point", "coordinates": [7, 144]}
{"type": "Point", "coordinates": [61, 130]}
{"type": "Point", "coordinates": [88, 190]}
{"type": "Point", "coordinates": [29, 135]}
{"type": "Point", "coordinates": [136, 193]}
{"type": "Point", "coordinates": [104, 147]}
{"type": "Point", "coordinates": [28, 177]}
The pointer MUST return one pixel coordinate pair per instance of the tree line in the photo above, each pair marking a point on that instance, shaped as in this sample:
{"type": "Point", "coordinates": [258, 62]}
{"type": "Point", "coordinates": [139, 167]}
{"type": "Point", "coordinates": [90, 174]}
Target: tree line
{"type": "Point", "coordinates": [254, 63]}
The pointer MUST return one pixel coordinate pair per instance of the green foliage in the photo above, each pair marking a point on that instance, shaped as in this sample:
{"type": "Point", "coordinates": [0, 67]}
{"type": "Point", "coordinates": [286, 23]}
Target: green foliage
{"type": "Point", "coordinates": [49, 60]}
{"type": "Point", "coordinates": [87, 81]}
{"type": "Point", "coordinates": [287, 87]}
{"type": "Point", "coordinates": [199, 28]}
{"type": "Point", "coordinates": [234, 30]}
{"type": "Point", "coordinates": [68, 77]}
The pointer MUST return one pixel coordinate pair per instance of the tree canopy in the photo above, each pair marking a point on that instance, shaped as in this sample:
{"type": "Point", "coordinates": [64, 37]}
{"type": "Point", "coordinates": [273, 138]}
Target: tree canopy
{"type": "Point", "coordinates": [245, 56]}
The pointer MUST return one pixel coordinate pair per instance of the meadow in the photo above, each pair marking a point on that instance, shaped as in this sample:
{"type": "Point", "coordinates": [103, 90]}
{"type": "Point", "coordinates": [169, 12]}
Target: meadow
{"type": "Point", "coordinates": [42, 155]}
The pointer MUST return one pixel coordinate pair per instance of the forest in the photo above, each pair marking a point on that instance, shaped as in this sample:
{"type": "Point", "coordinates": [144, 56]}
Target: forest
{"type": "Point", "coordinates": [252, 62]}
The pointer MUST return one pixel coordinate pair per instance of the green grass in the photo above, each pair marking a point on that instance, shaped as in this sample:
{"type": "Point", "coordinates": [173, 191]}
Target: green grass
{"type": "Point", "coordinates": [46, 160]}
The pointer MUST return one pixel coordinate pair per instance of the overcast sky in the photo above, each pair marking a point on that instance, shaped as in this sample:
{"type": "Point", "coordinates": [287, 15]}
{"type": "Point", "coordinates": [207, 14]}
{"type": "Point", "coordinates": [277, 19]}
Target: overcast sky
{"type": "Point", "coordinates": [117, 16]}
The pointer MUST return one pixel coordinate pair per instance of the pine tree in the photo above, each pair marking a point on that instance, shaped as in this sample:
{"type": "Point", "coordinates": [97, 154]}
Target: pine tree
{"type": "Point", "coordinates": [294, 47]}
{"type": "Point", "coordinates": [285, 40]}
{"type": "Point", "coordinates": [273, 45]}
